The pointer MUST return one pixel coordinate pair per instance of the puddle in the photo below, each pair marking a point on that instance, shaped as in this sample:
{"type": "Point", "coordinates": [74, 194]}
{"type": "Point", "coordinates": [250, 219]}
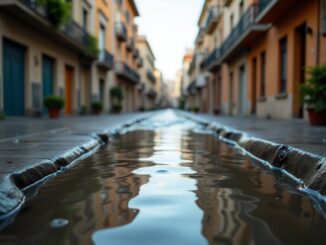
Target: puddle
{"type": "Point", "coordinates": [167, 182]}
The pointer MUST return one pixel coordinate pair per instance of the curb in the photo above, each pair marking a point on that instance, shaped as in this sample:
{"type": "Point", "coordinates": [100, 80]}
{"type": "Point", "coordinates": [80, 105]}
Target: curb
{"type": "Point", "coordinates": [307, 169]}
{"type": "Point", "coordinates": [13, 185]}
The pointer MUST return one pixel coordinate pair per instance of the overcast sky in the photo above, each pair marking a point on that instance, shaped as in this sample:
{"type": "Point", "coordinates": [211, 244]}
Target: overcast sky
{"type": "Point", "coordinates": [171, 27]}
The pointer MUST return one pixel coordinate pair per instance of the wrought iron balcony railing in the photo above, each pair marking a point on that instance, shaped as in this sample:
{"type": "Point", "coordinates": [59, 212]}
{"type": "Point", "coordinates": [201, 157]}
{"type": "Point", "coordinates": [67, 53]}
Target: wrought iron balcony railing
{"type": "Point", "coordinates": [130, 44]}
{"type": "Point", "coordinates": [246, 21]}
{"type": "Point", "coordinates": [105, 59]}
{"type": "Point", "coordinates": [151, 76]}
{"type": "Point", "coordinates": [214, 56]}
{"type": "Point", "coordinates": [71, 29]}
{"type": "Point", "coordinates": [121, 31]}
{"type": "Point", "coordinates": [152, 93]}
{"type": "Point", "coordinates": [139, 62]}
{"type": "Point", "coordinates": [135, 53]}
{"type": "Point", "coordinates": [127, 72]}
{"type": "Point", "coordinates": [199, 37]}
{"type": "Point", "coordinates": [262, 5]}
{"type": "Point", "coordinates": [212, 19]}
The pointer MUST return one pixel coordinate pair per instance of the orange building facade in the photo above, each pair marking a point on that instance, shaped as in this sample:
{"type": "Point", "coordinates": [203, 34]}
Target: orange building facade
{"type": "Point", "coordinates": [258, 65]}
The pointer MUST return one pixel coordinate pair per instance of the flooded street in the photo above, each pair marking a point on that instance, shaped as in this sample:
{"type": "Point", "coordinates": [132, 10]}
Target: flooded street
{"type": "Point", "coordinates": [167, 181]}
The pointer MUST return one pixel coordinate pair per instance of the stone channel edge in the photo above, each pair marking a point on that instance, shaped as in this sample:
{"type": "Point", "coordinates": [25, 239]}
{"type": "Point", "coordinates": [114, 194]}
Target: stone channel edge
{"type": "Point", "coordinates": [13, 185]}
{"type": "Point", "coordinates": [307, 169]}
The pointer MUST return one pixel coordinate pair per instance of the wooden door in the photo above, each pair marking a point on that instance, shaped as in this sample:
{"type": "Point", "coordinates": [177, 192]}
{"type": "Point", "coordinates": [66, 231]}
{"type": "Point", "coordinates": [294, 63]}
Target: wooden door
{"type": "Point", "coordinates": [69, 77]}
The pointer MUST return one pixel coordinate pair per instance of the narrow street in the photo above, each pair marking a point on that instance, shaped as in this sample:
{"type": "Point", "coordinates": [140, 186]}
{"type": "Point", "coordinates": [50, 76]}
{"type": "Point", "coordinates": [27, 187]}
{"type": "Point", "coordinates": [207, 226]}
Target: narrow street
{"type": "Point", "coordinates": [162, 122]}
{"type": "Point", "coordinates": [168, 177]}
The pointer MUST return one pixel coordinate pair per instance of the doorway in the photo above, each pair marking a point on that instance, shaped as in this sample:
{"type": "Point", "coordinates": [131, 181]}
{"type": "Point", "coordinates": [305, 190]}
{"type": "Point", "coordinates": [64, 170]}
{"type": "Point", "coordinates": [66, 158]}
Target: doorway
{"type": "Point", "coordinates": [254, 87]}
{"type": "Point", "coordinates": [47, 76]}
{"type": "Point", "coordinates": [13, 78]}
{"type": "Point", "coordinates": [300, 51]}
{"type": "Point", "coordinates": [242, 91]}
{"type": "Point", "coordinates": [69, 77]}
{"type": "Point", "coordinates": [231, 93]}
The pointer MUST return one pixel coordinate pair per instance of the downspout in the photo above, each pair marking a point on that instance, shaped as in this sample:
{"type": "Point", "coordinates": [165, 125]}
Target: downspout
{"type": "Point", "coordinates": [318, 32]}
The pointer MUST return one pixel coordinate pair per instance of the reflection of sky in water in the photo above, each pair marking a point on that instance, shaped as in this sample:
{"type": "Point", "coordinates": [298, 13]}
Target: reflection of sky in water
{"type": "Point", "coordinates": [168, 211]}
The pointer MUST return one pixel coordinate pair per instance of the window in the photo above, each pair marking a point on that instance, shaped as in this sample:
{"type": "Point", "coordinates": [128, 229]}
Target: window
{"type": "Point", "coordinates": [263, 75]}
{"type": "Point", "coordinates": [283, 65]}
{"type": "Point", "coordinates": [127, 16]}
{"type": "Point", "coordinates": [101, 42]}
{"type": "Point", "coordinates": [85, 19]}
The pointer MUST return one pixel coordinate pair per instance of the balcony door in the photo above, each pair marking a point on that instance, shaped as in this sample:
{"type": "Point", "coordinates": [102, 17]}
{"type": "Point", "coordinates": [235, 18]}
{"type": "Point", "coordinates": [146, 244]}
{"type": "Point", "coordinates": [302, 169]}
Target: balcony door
{"type": "Point", "coordinates": [101, 42]}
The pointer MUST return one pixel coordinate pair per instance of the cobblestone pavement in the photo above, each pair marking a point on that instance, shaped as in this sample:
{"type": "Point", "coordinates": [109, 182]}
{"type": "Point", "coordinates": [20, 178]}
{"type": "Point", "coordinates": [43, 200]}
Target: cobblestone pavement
{"type": "Point", "coordinates": [296, 133]}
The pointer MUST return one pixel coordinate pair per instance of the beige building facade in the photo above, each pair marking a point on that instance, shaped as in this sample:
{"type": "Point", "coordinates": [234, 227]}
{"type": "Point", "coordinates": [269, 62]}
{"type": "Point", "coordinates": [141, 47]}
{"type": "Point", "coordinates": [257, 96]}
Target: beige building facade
{"type": "Point", "coordinates": [147, 74]}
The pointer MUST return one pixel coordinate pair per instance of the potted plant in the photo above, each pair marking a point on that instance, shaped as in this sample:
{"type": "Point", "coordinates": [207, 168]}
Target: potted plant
{"type": "Point", "coordinates": [2, 116]}
{"type": "Point", "coordinates": [116, 108]}
{"type": "Point", "coordinates": [313, 94]}
{"type": "Point", "coordinates": [97, 107]}
{"type": "Point", "coordinates": [58, 12]}
{"type": "Point", "coordinates": [54, 105]}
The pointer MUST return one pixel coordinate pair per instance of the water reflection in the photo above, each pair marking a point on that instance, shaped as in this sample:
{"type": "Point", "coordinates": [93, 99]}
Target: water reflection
{"type": "Point", "coordinates": [168, 212]}
{"type": "Point", "coordinates": [168, 185]}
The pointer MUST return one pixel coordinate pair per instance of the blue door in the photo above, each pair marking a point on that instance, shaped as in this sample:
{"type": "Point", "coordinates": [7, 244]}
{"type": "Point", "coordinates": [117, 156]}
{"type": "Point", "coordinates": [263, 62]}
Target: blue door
{"type": "Point", "coordinates": [13, 78]}
{"type": "Point", "coordinates": [47, 76]}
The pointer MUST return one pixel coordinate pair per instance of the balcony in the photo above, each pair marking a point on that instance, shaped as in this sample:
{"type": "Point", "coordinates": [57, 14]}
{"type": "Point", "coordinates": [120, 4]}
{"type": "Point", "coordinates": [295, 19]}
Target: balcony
{"type": "Point", "coordinates": [270, 11]}
{"type": "Point", "coordinates": [212, 19]}
{"type": "Point", "coordinates": [192, 66]}
{"type": "Point", "coordinates": [243, 35]}
{"type": "Point", "coordinates": [123, 71]}
{"type": "Point", "coordinates": [135, 53]}
{"type": "Point", "coordinates": [201, 80]}
{"type": "Point", "coordinates": [105, 60]}
{"type": "Point", "coordinates": [141, 87]}
{"type": "Point", "coordinates": [211, 62]}
{"type": "Point", "coordinates": [152, 93]}
{"type": "Point", "coordinates": [31, 13]}
{"type": "Point", "coordinates": [199, 38]}
{"type": "Point", "coordinates": [121, 31]}
{"type": "Point", "coordinates": [130, 45]}
{"type": "Point", "coordinates": [139, 62]}
{"type": "Point", "coordinates": [151, 76]}
{"type": "Point", "coordinates": [192, 88]}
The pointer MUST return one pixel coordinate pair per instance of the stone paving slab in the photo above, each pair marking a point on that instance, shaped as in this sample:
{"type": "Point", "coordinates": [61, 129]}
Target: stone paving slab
{"type": "Point", "coordinates": [296, 133]}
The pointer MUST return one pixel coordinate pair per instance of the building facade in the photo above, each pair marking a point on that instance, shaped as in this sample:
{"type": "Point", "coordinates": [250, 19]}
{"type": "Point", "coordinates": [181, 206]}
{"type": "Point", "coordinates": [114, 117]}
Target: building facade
{"type": "Point", "coordinates": [148, 78]}
{"type": "Point", "coordinates": [80, 56]}
{"type": "Point", "coordinates": [256, 52]}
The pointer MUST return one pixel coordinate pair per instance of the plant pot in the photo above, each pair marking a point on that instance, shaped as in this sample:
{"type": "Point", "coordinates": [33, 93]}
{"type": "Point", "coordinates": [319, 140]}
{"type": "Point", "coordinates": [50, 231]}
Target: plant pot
{"type": "Point", "coordinates": [97, 111]}
{"type": "Point", "coordinates": [317, 118]}
{"type": "Point", "coordinates": [54, 113]}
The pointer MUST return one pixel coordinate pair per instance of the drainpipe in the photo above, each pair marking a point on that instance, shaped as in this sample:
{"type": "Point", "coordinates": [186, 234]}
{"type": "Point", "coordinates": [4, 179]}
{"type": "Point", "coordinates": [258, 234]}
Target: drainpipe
{"type": "Point", "coordinates": [318, 32]}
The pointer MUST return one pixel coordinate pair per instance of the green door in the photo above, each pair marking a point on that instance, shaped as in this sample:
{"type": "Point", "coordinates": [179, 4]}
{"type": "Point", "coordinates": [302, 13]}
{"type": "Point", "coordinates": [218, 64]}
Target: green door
{"type": "Point", "coordinates": [47, 76]}
{"type": "Point", "coordinates": [13, 78]}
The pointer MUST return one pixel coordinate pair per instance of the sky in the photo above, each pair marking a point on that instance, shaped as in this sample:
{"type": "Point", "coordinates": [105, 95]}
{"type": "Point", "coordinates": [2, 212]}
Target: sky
{"type": "Point", "coordinates": [171, 27]}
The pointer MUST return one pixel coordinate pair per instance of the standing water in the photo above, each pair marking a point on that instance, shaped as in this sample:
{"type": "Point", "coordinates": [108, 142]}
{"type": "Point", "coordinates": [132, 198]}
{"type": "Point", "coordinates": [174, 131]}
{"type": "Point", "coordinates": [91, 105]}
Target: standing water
{"type": "Point", "coordinates": [167, 181]}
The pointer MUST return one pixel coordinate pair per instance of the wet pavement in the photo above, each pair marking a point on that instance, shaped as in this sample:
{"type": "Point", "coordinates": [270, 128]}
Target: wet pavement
{"type": "Point", "coordinates": [167, 181]}
{"type": "Point", "coordinates": [296, 132]}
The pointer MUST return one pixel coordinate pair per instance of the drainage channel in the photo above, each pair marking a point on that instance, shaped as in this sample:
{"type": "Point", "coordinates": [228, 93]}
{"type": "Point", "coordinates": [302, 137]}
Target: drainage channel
{"type": "Point", "coordinates": [168, 181]}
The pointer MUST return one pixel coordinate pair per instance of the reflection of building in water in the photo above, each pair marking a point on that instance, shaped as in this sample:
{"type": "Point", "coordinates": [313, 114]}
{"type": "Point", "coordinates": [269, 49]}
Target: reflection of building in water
{"type": "Point", "coordinates": [93, 195]}
{"type": "Point", "coordinates": [109, 206]}
{"type": "Point", "coordinates": [241, 203]}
